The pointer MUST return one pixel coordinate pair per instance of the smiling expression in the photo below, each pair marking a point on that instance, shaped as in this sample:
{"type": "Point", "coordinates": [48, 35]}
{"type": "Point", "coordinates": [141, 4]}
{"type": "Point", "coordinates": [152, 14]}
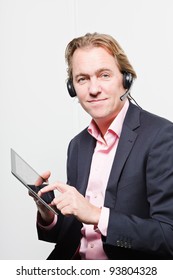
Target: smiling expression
{"type": "Point", "coordinates": [98, 83]}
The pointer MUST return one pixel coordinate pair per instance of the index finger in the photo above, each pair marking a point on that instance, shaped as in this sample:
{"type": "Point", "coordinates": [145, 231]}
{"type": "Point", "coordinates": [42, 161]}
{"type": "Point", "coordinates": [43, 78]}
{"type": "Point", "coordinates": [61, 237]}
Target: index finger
{"type": "Point", "coordinates": [48, 188]}
{"type": "Point", "coordinates": [55, 186]}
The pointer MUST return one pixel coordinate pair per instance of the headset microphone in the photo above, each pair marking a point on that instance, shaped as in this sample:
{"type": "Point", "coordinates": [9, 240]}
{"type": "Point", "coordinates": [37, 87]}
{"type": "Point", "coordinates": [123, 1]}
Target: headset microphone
{"type": "Point", "coordinates": [122, 97]}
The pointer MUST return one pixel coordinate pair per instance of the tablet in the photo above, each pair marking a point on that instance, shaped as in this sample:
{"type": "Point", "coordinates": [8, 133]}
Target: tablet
{"type": "Point", "coordinates": [31, 180]}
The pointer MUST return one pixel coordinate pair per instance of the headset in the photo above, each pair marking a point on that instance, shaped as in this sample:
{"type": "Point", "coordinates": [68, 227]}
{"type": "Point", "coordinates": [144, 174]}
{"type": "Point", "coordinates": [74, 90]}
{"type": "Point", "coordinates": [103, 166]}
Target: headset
{"type": "Point", "coordinates": [127, 84]}
{"type": "Point", "coordinates": [70, 88]}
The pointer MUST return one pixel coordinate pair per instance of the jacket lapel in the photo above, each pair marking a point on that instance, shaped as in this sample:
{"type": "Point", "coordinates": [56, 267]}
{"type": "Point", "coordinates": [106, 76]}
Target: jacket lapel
{"type": "Point", "coordinates": [126, 142]}
{"type": "Point", "coordinates": [86, 149]}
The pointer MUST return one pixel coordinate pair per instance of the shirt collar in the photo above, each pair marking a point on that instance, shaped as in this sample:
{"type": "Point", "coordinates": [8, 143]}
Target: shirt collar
{"type": "Point", "coordinates": [116, 125]}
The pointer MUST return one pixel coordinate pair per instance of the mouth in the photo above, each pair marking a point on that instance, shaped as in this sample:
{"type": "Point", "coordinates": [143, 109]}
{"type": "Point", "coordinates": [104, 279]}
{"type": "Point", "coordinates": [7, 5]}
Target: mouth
{"type": "Point", "coordinates": [94, 101]}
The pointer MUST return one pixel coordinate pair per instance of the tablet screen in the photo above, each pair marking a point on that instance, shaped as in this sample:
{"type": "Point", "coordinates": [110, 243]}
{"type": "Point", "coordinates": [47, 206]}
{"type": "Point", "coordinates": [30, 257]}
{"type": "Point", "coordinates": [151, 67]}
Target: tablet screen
{"type": "Point", "coordinates": [31, 179]}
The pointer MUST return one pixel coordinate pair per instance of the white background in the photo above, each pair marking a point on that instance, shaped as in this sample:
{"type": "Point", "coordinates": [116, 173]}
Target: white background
{"type": "Point", "coordinates": [38, 118]}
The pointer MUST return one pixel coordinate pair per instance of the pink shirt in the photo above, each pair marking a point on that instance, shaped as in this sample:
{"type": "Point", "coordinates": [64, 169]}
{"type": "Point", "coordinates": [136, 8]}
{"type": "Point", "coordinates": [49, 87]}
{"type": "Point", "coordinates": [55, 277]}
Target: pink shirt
{"type": "Point", "coordinates": [102, 160]}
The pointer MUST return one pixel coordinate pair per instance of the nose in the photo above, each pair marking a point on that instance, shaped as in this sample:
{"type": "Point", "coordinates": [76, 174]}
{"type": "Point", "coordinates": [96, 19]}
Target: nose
{"type": "Point", "coordinates": [94, 87]}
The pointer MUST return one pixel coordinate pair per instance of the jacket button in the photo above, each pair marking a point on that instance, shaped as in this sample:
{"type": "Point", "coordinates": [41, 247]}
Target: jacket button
{"type": "Point", "coordinates": [129, 246]}
{"type": "Point", "coordinates": [118, 243]}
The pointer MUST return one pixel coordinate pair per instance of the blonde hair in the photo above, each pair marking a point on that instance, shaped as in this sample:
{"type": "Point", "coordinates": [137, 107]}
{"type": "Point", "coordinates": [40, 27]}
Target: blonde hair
{"type": "Point", "coordinates": [99, 40]}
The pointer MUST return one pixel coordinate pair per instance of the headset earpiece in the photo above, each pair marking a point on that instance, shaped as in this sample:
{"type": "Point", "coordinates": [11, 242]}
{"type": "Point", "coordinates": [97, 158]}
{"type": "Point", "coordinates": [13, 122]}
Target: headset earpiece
{"type": "Point", "coordinates": [127, 80]}
{"type": "Point", "coordinates": [70, 88]}
{"type": "Point", "coordinates": [127, 84]}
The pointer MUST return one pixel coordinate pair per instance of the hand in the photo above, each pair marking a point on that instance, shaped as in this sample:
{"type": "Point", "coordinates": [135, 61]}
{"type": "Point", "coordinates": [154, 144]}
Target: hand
{"type": "Point", "coordinates": [46, 215]}
{"type": "Point", "coordinates": [71, 202]}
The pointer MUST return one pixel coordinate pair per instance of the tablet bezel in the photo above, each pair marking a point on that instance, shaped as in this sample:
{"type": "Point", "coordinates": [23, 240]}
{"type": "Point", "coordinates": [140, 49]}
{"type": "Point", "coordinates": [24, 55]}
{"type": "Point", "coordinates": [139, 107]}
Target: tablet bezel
{"type": "Point", "coordinates": [14, 172]}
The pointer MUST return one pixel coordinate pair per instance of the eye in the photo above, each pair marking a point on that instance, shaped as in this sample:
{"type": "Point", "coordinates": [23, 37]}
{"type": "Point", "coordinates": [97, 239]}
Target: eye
{"type": "Point", "coordinates": [81, 80]}
{"type": "Point", "coordinates": [105, 76]}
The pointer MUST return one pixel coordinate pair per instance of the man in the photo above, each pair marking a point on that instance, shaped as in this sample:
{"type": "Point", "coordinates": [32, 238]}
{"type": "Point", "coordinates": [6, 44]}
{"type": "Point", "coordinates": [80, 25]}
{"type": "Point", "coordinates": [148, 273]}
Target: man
{"type": "Point", "coordinates": [118, 200]}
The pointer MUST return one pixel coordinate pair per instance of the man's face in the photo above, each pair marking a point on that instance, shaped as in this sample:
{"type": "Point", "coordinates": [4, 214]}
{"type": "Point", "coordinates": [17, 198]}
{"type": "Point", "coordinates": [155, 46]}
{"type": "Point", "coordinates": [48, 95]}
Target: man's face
{"type": "Point", "coordinates": [98, 83]}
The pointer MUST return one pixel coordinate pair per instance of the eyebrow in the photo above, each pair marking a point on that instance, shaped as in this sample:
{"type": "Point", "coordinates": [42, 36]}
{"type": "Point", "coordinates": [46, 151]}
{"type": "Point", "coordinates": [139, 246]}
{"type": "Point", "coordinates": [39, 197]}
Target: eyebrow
{"type": "Point", "coordinates": [102, 70]}
{"type": "Point", "coordinates": [80, 75]}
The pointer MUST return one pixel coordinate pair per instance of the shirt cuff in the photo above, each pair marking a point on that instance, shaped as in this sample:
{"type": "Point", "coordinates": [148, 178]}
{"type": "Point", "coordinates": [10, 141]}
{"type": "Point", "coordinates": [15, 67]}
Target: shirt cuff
{"type": "Point", "coordinates": [49, 227]}
{"type": "Point", "coordinates": [103, 221]}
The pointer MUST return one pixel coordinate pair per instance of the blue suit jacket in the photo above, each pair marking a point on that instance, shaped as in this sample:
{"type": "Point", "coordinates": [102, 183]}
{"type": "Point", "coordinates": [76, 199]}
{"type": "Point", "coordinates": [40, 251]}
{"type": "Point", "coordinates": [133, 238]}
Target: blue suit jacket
{"type": "Point", "coordinates": [139, 192]}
